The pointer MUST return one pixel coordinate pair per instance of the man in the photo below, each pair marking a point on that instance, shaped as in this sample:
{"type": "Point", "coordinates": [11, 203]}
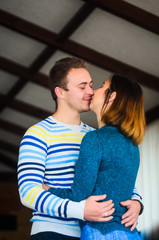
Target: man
{"type": "Point", "coordinates": [48, 153]}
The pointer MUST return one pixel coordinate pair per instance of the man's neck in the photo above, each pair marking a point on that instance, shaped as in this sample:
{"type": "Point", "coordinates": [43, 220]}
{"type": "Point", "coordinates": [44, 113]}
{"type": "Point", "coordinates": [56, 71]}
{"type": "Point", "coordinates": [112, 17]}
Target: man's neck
{"type": "Point", "coordinates": [71, 118]}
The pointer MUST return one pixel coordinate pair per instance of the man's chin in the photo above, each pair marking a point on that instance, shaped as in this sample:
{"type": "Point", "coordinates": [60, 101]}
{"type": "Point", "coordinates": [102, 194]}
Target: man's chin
{"type": "Point", "coordinates": [86, 109]}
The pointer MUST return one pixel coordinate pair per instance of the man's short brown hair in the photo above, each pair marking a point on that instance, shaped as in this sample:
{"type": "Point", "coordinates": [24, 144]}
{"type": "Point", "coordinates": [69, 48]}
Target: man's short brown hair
{"type": "Point", "coordinates": [58, 73]}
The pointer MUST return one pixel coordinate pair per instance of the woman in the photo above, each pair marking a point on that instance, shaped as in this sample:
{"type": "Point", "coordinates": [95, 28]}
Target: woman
{"type": "Point", "coordinates": [109, 157]}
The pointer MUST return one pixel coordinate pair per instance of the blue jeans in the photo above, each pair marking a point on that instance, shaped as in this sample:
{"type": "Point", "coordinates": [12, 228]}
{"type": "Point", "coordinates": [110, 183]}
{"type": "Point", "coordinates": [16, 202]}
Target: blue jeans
{"type": "Point", "coordinates": [89, 233]}
{"type": "Point", "coordinates": [51, 236]}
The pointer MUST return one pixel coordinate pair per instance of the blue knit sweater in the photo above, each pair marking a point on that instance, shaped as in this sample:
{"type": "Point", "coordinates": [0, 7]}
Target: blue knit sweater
{"type": "Point", "coordinates": [108, 164]}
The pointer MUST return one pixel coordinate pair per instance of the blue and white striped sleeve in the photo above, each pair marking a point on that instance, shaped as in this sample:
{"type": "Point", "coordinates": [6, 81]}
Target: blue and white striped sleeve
{"type": "Point", "coordinates": [136, 196]}
{"type": "Point", "coordinates": [31, 170]}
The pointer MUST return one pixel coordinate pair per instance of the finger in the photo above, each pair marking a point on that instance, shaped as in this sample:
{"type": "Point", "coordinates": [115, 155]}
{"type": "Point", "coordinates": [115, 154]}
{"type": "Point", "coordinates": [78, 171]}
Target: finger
{"type": "Point", "coordinates": [108, 208]}
{"type": "Point", "coordinates": [130, 223]}
{"type": "Point", "coordinates": [127, 214]}
{"type": "Point", "coordinates": [108, 213]}
{"type": "Point", "coordinates": [133, 226]}
{"type": "Point", "coordinates": [106, 204]}
{"type": "Point", "coordinates": [44, 186]}
{"type": "Point", "coordinates": [99, 197]}
{"type": "Point", "coordinates": [111, 211]}
{"type": "Point", "coordinates": [104, 219]}
{"type": "Point", "coordinates": [125, 203]}
{"type": "Point", "coordinates": [128, 219]}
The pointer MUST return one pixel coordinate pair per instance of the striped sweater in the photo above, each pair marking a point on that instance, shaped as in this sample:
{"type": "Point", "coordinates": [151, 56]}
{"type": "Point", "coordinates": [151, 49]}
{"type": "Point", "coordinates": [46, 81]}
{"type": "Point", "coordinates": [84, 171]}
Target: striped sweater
{"type": "Point", "coordinates": [48, 153]}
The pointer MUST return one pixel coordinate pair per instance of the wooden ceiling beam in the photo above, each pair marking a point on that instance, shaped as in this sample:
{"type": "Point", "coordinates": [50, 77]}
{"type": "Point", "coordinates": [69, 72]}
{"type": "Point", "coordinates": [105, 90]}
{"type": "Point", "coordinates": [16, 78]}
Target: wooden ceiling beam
{"type": "Point", "coordinates": [78, 50]}
{"type": "Point", "coordinates": [79, 17]}
{"type": "Point", "coordinates": [129, 12]}
{"type": "Point", "coordinates": [71, 26]}
{"type": "Point", "coordinates": [26, 76]}
{"type": "Point", "coordinates": [152, 114]}
{"type": "Point", "coordinates": [27, 108]}
{"type": "Point", "coordinates": [21, 71]}
{"type": "Point", "coordinates": [8, 161]}
{"type": "Point", "coordinates": [9, 147]}
{"type": "Point", "coordinates": [8, 177]}
{"type": "Point", "coordinates": [75, 22]}
{"type": "Point", "coordinates": [11, 127]}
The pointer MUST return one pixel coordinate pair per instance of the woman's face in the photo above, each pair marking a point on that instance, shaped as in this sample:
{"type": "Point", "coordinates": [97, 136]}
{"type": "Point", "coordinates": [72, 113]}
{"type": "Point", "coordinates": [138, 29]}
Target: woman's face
{"type": "Point", "coordinates": [99, 97]}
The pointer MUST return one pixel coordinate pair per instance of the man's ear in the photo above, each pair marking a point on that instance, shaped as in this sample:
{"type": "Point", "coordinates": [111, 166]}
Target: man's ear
{"type": "Point", "coordinates": [112, 96]}
{"type": "Point", "coordinates": [59, 92]}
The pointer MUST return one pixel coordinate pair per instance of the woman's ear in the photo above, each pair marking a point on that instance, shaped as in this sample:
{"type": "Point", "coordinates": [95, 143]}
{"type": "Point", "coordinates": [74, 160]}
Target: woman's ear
{"type": "Point", "coordinates": [59, 92]}
{"type": "Point", "coordinates": [112, 96]}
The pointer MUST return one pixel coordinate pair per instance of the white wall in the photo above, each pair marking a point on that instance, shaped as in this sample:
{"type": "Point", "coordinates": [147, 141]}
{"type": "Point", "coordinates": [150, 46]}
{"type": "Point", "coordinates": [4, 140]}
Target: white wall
{"type": "Point", "coordinates": [148, 178]}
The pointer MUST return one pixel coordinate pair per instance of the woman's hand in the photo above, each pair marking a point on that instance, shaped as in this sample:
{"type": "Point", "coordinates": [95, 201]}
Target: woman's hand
{"type": "Point", "coordinates": [45, 187]}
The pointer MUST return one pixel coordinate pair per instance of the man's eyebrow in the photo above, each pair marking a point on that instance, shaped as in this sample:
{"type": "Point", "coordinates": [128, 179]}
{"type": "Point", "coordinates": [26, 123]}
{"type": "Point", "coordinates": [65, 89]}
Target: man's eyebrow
{"type": "Point", "coordinates": [84, 83]}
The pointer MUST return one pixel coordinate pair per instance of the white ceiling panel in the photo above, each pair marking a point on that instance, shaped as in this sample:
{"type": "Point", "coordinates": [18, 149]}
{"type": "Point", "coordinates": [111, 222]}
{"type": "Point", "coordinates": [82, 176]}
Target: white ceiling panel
{"type": "Point", "coordinates": [50, 14]}
{"type": "Point", "coordinates": [151, 98]}
{"type": "Point", "coordinates": [91, 68]}
{"type": "Point", "coordinates": [7, 81]}
{"type": "Point", "coordinates": [37, 96]}
{"type": "Point", "coordinates": [57, 56]}
{"type": "Point", "coordinates": [98, 74]}
{"type": "Point", "coordinates": [9, 137]}
{"type": "Point", "coordinates": [151, 6]}
{"type": "Point", "coordinates": [18, 48]}
{"type": "Point", "coordinates": [18, 118]}
{"type": "Point", "coordinates": [121, 40]}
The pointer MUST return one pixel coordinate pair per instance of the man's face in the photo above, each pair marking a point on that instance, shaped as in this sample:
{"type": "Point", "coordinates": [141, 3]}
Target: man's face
{"type": "Point", "coordinates": [80, 92]}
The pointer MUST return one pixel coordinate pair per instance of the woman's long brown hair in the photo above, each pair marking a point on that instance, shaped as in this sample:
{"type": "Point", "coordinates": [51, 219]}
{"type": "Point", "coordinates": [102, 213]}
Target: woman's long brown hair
{"type": "Point", "coordinates": [127, 109]}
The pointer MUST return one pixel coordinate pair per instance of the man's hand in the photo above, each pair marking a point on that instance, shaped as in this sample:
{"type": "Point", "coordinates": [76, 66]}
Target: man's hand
{"type": "Point", "coordinates": [98, 211]}
{"type": "Point", "coordinates": [130, 218]}
{"type": "Point", "coordinates": [45, 187]}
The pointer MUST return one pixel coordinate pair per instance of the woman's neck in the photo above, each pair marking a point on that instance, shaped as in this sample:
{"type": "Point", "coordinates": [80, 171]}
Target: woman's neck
{"type": "Point", "coordinates": [100, 123]}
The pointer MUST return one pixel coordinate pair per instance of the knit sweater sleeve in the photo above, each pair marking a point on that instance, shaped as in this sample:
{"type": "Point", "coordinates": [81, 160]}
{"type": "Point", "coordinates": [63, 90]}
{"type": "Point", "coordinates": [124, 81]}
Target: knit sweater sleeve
{"type": "Point", "coordinates": [31, 170]}
{"type": "Point", "coordinates": [136, 196]}
{"type": "Point", "coordinates": [86, 170]}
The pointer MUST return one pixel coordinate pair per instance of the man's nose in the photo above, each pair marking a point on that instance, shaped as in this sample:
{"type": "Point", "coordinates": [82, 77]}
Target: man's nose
{"type": "Point", "coordinates": [90, 90]}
